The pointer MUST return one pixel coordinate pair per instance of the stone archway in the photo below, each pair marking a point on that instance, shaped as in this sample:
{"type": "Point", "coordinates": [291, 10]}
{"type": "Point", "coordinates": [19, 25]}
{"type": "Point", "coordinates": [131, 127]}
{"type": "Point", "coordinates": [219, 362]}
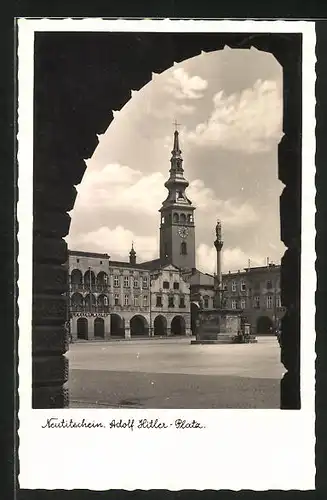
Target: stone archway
{"type": "Point", "coordinates": [160, 325]}
{"type": "Point", "coordinates": [99, 328]}
{"type": "Point", "coordinates": [264, 325]}
{"type": "Point", "coordinates": [74, 100]}
{"type": "Point", "coordinates": [82, 329]}
{"type": "Point", "coordinates": [139, 326]}
{"type": "Point", "coordinates": [117, 326]}
{"type": "Point", "coordinates": [178, 326]}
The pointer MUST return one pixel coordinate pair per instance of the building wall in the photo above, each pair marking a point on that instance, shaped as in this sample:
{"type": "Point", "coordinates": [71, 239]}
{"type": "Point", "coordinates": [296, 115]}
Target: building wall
{"type": "Point", "coordinates": [169, 285]}
{"type": "Point", "coordinates": [247, 290]}
{"type": "Point", "coordinates": [257, 292]}
{"type": "Point", "coordinates": [121, 295]}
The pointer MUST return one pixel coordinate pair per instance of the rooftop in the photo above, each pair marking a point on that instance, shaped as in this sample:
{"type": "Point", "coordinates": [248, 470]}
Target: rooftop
{"type": "Point", "coordinates": [79, 253]}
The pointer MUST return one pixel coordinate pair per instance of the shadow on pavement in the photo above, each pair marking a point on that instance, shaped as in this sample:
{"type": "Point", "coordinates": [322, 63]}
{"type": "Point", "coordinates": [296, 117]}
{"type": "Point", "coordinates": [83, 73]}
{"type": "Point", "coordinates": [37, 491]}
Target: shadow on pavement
{"type": "Point", "coordinates": [122, 389]}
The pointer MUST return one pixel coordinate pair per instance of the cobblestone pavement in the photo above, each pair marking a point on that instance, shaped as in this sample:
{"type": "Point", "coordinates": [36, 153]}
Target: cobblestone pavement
{"type": "Point", "coordinates": [174, 374]}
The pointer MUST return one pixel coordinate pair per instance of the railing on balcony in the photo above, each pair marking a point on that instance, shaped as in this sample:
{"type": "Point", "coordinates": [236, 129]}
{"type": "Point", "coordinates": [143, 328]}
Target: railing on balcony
{"type": "Point", "coordinates": [86, 287]}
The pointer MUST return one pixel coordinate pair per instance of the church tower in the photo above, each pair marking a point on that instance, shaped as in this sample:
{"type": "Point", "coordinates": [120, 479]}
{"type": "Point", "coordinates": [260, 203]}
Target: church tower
{"type": "Point", "coordinates": [177, 230]}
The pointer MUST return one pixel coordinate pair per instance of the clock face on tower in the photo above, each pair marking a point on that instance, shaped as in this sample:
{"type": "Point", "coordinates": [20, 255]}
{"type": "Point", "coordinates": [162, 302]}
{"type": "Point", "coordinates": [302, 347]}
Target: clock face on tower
{"type": "Point", "coordinates": [183, 232]}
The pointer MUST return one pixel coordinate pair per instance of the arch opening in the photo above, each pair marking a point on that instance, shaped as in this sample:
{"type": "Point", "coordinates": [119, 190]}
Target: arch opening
{"type": "Point", "coordinates": [264, 325]}
{"type": "Point", "coordinates": [90, 303]}
{"type": "Point", "coordinates": [99, 328]}
{"type": "Point", "coordinates": [82, 329]}
{"type": "Point", "coordinates": [77, 302]}
{"type": "Point", "coordinates": [160, 326]}
{"type": "Point", "coordinates": [139, 326]}
{"type": "Point", "coordinates": [89, 278]}
{"type": "Point", "coordinates": [117, 326]}
{"type": "Point", "coordinates": [103, 303]}
{"type": "Point", "coordinates": [178, 326]}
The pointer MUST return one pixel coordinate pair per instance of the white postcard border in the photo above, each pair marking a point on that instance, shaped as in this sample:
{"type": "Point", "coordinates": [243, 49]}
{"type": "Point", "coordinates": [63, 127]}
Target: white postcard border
{"type": "Point", "coordinates": [238, 449]}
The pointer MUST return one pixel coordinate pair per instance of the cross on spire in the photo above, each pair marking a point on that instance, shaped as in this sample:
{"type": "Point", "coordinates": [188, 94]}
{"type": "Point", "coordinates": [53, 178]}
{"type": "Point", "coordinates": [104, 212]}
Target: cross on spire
{"type": "Point", "coordinates": [176, 124]}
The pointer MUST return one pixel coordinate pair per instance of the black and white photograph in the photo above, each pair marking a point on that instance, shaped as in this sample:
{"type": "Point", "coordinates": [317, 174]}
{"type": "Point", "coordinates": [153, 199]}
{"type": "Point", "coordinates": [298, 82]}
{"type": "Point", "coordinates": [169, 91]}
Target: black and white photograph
{"type": "Point", "coordinates": [166, 179]}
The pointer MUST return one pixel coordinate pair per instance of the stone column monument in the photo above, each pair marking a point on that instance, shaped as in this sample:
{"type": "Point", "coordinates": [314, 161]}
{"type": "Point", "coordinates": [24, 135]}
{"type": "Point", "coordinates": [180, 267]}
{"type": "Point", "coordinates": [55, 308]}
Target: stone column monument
{"type": "Point", "coordinates": [218, 325]}
{"type": "Point", "coordinates": [218, 279]}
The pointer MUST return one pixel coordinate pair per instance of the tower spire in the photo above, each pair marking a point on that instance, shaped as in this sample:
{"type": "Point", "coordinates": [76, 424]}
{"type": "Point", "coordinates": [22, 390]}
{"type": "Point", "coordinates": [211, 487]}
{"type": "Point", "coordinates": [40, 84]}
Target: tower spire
{"type": "Point", "coordinates": [132, 255]}
{"type": "Point", "coordinates": [177, 233]}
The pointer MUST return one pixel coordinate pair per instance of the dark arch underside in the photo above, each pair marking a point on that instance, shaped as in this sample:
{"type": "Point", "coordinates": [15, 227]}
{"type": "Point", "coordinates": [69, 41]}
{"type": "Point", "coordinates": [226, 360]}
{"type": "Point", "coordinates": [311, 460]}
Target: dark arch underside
{"type": "Point", "coordinates": [79, 79]}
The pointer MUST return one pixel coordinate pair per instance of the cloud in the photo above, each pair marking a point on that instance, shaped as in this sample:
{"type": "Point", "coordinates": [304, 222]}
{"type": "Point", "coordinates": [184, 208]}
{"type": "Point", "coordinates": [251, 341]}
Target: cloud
{"type": "Point", "coordinates": [249, 121]}
{"type": "Point", "coordinates": [230, 212]}
{"type": "Point", "coordinates": [119, 188]}
{"type": "Point", "coordinates": [183, 86]}
{"type": "Point", "coordinates": [232, 259]}
{"type": "Point", "coordinates": [116, 242]}
{"type": "Point", "coordinates": [169, 110]}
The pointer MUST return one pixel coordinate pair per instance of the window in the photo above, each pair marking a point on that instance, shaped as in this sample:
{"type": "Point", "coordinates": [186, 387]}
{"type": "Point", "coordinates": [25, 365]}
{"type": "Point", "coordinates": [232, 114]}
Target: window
{"type": "Point", "coordinates": [190, 218]}
{"type": "Point", "coordinates": [116, 281]}
{"type": "Point", "coordinates": [171, 301]}
{"type": "Point", "coordinates": [243, 305]}
{"type": "Point", "coordinates": [183, 248]}
{"type": "Point", "coordinates": [182, 302]}
{"type": "Point", "coordinates": [233, 304]}
{"type": "Point", "coordinates": [145, 300]}
{"type": "Point", "coordinates": [77, 260]}
{"type": "Point", "coordinates": [278, 301]}
{"type": "Point", "coordinates": [145, 282]}
{"type": "Point", "coordinates": [126, 300]}
{"type": "Point", "coordinates": [256, 302]}
{"type": "Point", "coordinates": [243, 286]}
{"type": "Point", "coordinates": [269, 285]}
{"type": "Point", "coordinates": [162, 219]}
{"type": "Point", "coordinates": [126, 281]}
{"type": "Point", "coordinates": [159, 301]}
{"type": "Point", "coordinates": [269, 301]}
{"type": "Point", "coordinates": [233, 286]}
{"type": "Point", "coordinates": [116, 299]}
{"type": "Point", "coordinates": [100, 262]}
{"type": "Point", "coordinates": [176, 285]}
{"type": "Point", "coordinates": [176, 218]}
{"type": "Point", "coordinates": [225, 287]}
{"type": "Point", "coordinates": [136, 301]}
{"type": "Point", "coordinates": [136, 282]}
{"type": "Point", "coordinates": [105, 279]}
{"type": "Point", "coordinates": [206, 302]}
{"type": "Point", "coordinates": [165, 284]}
{"type": "Point", "coordinates": [183, 218]}
{"type": "Point", "coordinates": [105, 300]}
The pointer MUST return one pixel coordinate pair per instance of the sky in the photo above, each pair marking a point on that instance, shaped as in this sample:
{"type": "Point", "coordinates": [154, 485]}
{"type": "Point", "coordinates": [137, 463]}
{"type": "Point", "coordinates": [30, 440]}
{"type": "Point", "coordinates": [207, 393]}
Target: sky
{"type": "Point", "coordinates": [229, 107]}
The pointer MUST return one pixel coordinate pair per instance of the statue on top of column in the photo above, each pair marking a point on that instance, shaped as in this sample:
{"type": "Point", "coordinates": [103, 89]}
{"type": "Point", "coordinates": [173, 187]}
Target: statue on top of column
{"type": "Point", "coordinates": [218, 230]}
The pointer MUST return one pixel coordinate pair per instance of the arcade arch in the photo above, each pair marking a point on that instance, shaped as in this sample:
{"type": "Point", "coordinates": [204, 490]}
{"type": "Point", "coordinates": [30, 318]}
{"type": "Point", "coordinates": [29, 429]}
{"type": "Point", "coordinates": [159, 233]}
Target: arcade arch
{"type": "Point", "coordinates": [178, 326]}
{"type": "Point", "coordinates": [139, 326]}
{"type": "Point", "coordinates": [160, 325]}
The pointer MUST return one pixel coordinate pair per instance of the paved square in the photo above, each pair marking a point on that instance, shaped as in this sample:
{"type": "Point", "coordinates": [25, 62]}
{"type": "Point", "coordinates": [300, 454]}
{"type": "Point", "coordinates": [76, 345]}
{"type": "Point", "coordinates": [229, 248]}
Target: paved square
{"type": "Point", "coordinates": [171, 373]}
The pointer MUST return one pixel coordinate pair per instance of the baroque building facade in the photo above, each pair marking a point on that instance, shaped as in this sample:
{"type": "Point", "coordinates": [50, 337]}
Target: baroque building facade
{"type": "Point", "coordinates": [111, 299]}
